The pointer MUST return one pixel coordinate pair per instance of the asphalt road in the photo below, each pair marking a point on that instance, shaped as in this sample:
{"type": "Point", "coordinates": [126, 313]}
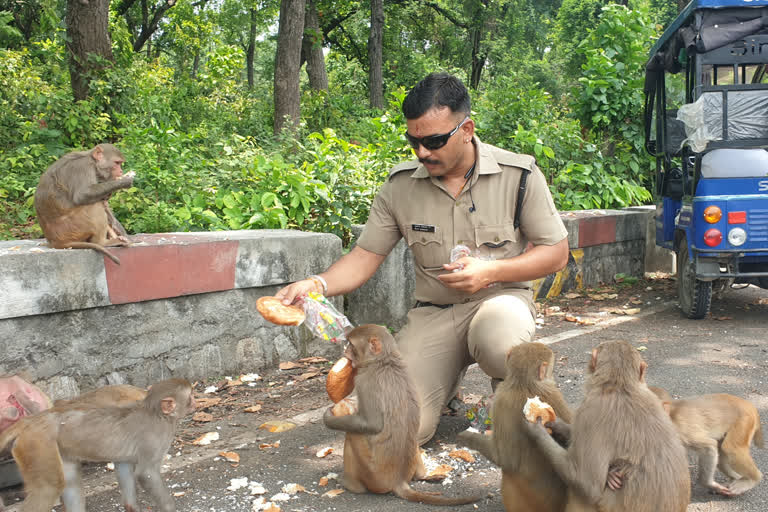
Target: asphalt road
{"type": "Point", "coordinates": [726, 352]}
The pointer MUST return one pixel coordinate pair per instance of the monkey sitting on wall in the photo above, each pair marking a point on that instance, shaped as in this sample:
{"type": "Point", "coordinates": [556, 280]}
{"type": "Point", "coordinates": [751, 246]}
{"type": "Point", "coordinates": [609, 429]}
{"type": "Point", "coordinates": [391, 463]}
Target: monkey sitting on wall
{"type": "Point", "coordinates": [381, 451]}
{"type": "Point", "coordinates": [71, 200]}
{"type": "Point", "coordinates": [112, 424]}
{"type": "Point", "coordinates": [719, 428]}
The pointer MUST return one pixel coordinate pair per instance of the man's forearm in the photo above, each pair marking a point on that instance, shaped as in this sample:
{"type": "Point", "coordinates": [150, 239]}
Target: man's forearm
{"type": "Point", "coordinates": [538, 262]}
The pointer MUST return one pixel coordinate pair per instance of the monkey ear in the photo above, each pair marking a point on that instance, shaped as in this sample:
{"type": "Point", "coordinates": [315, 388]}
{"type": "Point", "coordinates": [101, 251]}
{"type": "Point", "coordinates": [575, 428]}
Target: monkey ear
{"type": "Point", "coordinates": [643, 366]}
{"type": "Point", "coordinates": [667, 407]}
{"type": "Point", "coordinates": [375, 344]}
{"type": "Point", "coordinates": [168, 405]}
{"type": "Point", "coordinates": [97, 153]}
{"type": "Point", "coordinates": [593, 361]}
{"type": "Point", "coordinates": [543, 370]}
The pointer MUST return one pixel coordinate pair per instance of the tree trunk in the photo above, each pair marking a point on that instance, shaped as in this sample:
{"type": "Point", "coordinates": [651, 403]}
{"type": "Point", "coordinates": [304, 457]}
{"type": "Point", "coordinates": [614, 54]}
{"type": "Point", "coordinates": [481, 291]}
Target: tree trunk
{"type": "Point", "coordinates": [87, 34]}
{"type": "Point", "coordinates": [312, 49]}
{"type": "Point", "coordinates": [287, 65]}
{"type": "Point", "coordinates": [375, 41]}
{"type": "Point", "coordinates": [251, 48]}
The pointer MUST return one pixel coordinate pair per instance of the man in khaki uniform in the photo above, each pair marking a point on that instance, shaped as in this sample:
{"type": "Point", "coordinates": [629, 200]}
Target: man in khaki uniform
{"type": "Point", "coordinates": [460, 192]}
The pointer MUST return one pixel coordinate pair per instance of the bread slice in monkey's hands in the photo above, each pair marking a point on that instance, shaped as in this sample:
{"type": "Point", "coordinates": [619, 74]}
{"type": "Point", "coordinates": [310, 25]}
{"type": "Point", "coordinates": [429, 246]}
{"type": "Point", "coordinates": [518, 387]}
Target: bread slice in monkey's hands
{"type": "Point", "coordinates": [273, 309]}
{"type": "Point", "coordinates": [534, 408]}
{"type": "Point", "coordinates": [341, 380]}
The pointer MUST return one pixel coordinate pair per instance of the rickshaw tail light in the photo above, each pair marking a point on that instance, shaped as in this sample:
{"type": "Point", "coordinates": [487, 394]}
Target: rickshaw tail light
{"type": "Point", "coordinates": [713, 237]}
{"type": "Point", "coordinates": [712, 214]}
{"type": "Point", "coordinates": [737, 217]}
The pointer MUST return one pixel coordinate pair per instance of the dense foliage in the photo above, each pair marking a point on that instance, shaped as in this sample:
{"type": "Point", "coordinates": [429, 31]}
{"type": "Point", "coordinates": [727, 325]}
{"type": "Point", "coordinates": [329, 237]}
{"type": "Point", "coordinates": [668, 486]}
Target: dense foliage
{"type": "Point", "coordinates": [199, 136]}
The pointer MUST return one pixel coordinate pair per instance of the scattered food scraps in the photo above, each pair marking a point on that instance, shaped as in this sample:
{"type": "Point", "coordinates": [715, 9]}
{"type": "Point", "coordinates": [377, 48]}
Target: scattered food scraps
{"type": "Point", "coordinates": [230, 456]}
{"type": "Point", "coordinates": [324, 452]}
{"type": "Point", "coordinates": [206, 439]}
{"type": "Point", "coordinates": [463, 455]}
{"type": "Point", "coordinates": [333, 493]}
{"type": "Point", "coordinates": [253, 408]}
{"type": "Point", "coordinates": [202, 417]}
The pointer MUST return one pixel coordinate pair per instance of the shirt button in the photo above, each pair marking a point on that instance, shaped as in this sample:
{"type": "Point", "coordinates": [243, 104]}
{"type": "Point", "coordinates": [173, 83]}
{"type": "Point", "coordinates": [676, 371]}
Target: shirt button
{"type": "Point", "coordinates": [458, 203]}
{"type": "Point", "coordinates": [496, 239]}
{"type": "Point", "coordinates": [423, 239]}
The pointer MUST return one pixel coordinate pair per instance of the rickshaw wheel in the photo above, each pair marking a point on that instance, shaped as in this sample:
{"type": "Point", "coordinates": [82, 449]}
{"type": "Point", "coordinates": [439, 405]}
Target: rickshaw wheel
{"type": "Point", "coordinates": [693, 295]}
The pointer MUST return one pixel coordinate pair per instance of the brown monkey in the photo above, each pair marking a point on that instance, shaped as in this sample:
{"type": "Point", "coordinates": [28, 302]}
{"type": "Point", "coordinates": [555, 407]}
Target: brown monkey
{"type": "Point", "coordinates": [120, 394]}
{"type": "Point", "coordinates": [50, 446]}
{"type": "Point", "coordinates": [381, 451]}
{"type": "Point", "coordinates": [70, 200]}
{"type": "Point", "coordinates": [719, 428]}
{"type": "Point", "coordinates": [528, 480]}
{"type": "Point", "coordinates": [619, 423]}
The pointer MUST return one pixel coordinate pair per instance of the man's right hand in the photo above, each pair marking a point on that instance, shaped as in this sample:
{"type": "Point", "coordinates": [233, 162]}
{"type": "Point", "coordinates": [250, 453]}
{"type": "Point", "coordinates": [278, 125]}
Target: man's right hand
{"type": "Point", "coordinates": [295, 291]}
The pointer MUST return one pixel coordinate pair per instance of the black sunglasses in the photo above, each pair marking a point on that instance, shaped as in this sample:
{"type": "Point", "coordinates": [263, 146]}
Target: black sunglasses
{"type": "Point", "coordinates": [432, 142]}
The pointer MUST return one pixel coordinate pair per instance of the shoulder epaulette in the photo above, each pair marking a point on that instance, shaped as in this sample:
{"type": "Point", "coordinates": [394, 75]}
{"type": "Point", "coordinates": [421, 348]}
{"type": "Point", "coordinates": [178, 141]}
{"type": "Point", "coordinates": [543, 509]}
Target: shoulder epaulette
{"type": "Point", "coordinates": [411, 165]}
{"type": "Point", "coordinates": [505, 157]}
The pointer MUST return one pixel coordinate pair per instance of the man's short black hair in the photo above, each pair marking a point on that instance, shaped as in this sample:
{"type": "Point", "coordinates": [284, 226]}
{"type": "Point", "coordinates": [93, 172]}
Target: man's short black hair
{"type": "Point", "coordinates": [436, 90]}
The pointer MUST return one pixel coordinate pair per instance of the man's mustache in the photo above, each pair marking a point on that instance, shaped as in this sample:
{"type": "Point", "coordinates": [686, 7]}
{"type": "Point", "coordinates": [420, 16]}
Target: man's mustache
{"type": "Point", "coordinates": [428, 161]}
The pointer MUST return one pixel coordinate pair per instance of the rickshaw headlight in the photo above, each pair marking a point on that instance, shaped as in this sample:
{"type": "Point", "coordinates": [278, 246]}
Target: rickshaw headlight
{"type": "Point", "coordinates": [712, 214]}
{"type": "Point", "coordinates": [737, 236]}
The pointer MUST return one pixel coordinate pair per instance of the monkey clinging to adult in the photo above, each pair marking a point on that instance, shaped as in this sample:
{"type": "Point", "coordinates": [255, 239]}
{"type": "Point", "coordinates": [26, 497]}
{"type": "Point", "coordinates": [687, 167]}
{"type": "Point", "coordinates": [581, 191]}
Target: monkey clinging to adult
{"type": "Point", "coordinates": [381, 451]}
{"type": "Point", "coordinates": [71, 200]}
{"type": "Point", "coordinates": [719, 428]}
{"type": "Point", "coordinates": [620, 422]}
{"type": "Point", "coordinates": [135, 435]}
{"type": "Point", "coordinates": [528, 480]}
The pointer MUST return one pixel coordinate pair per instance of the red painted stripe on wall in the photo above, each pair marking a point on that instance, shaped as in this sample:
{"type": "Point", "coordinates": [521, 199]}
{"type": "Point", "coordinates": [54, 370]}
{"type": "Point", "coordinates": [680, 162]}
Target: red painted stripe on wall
{"type": "Point", "coordinates": [597, 230]}
{"type": "Point", "coordinates": [162, 271]}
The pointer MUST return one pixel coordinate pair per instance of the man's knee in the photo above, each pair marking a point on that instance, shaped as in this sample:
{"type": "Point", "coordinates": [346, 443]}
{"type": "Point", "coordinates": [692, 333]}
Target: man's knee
{"type": "Point", "coordinates": [499, 324]}
{"type": "Point", "coordinates": [427, 426]}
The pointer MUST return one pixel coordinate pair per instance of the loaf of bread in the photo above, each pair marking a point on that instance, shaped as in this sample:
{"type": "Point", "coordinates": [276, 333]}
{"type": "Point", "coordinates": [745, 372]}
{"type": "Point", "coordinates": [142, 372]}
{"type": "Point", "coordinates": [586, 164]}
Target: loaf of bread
{"type": "Point", "coordinates": [534, 408]}
{"type": "Point", "coordinates": [340, 380]}
{"type": "Point", "coordinates": [273, 309]}
{"type": "Point", "coordinates": [345, 407]}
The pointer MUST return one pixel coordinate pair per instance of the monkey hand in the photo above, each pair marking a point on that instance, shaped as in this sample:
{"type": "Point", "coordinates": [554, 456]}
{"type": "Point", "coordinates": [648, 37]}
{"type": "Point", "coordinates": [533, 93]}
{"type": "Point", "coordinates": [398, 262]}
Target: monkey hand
{"type": "Point", "coordinates": [468, 274]}
{"type": "Point", "coordinates": [535, 430]}
{"type": "Point", "coordinates": [618, 471]}
{"type": "Point", "coordinates": [561, 431]}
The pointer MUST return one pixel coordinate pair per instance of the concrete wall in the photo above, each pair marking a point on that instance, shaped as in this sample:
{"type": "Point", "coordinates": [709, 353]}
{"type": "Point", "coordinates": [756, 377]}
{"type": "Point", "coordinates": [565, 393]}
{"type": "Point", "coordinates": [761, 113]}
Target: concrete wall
{"type": "Point", "coordinates": [183, 304]}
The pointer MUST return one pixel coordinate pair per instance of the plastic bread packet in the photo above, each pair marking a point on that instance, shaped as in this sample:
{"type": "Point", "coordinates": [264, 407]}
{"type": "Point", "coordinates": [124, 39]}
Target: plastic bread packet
{"type": "Point", "coordinates": [459, 252]}
{"type": "Point", "coordinates": [323, 319]}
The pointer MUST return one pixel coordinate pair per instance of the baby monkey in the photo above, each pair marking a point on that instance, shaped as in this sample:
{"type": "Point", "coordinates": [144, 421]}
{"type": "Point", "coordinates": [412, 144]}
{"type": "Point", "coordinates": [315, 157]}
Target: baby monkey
{"type": "Point", "coordinates": [719, 428]}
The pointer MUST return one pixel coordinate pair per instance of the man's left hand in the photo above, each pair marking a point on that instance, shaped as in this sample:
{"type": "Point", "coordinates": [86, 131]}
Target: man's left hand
{"type": "Point", "coordinates": [468, 274]}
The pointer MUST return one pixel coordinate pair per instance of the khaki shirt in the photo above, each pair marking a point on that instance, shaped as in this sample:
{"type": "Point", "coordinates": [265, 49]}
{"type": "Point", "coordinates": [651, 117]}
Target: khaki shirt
{"type": "Point", "coordinates": [414, 205]}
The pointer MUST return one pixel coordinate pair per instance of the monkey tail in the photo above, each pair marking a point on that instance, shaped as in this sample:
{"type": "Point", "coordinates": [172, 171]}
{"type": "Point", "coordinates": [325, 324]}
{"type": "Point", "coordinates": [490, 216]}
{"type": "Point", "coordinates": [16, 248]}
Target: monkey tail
{"type": "Point", "coordinates": [405, 491]}
{"type": "Point", "coordinates": [9, 435]}
{"type": "Point", "coordinates": [89, 245]}
{"type": "Point", "coordinates": [758, 439]}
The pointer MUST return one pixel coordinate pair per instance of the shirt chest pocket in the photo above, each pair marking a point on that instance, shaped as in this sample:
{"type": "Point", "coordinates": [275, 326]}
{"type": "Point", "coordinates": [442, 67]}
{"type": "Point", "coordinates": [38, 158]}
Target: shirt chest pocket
{"type": "Point", "coordinates": [498, 241]}
{"type": "Point", "coordinates": [427, 247]}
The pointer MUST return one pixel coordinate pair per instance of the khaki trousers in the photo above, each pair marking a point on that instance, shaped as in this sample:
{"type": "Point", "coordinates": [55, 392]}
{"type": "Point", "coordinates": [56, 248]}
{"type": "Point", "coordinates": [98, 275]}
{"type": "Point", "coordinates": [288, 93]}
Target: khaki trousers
{"type": "Point", "coordinates": [438, 345]}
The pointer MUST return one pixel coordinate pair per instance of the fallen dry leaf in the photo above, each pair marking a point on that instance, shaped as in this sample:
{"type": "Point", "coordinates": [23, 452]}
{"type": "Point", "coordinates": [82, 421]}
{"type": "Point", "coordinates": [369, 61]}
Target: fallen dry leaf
{"type": "Point", "coordinates": [324, 452]}
{"type": "Point", "coordinates": [203, 403]}
{"type": "Point", "coordinates": [309, 375]}
{"type": "Point", "coordinates": [572, 295]}
{"type": "Point", "coordinates": [290, 365]}
{"type": "Point", "coordinates": [762, 301]}
{"type": "Point", "coordinates": [272, 508]}
{"type": "Point", "coordinates": [571, 318]}
{"type": "Point", "coordinates": [632, 311]}
{"type": "Point", "coordinates": [253, 408]}
{"type": "Point", "coordinates": [264, 446]}
{"type": "Point", "coordinates": [586, 321]}
{"type": "Point", "coordinates": [230, 457]}
{"type": "Point", "coordinates": [333, 493]}
{"type": "Point", "coordinates": [597, 296]}
{"type": "Point", "coordinates": [323, 482]}
{"type": "Point", "coordinates": [313, 360]}
{"type": "Point", "coordinates": [463, 455]}
{"type": "Point", "coordinates": [206, 439]}
{"type": "Point", "coordinates": [179, 494]}
{"type": "Point", "coordinates": [202, 417]}
{"type": "Point", "coordinates": [722, 318]}
{"type": "Point", "coordinates": [277, 426]}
